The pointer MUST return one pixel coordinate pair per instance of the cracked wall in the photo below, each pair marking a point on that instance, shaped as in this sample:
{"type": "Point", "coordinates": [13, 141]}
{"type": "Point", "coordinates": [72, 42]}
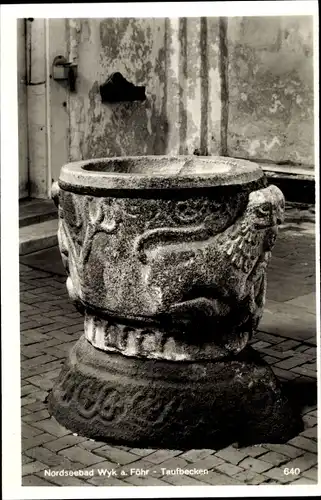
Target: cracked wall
{"type": "Point", "coordinates": [270, 94]}
{"type": "Point", "coordinates": [175, 59]}
{"type": "Point", "coordinates": [136, 49]}
{"type": "Point", "coordinates": [239, 87]}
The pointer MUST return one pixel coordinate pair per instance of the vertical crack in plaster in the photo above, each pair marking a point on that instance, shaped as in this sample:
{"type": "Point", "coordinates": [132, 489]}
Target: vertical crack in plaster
{"type": "Point", "coordinates": [223, 64]}
{"type": "Point", "coordinates": [164, 78]}
{"type": "Point", "coordinates": [75, 101]}
{"type": "Point", "coordinates": [204, 88]}
{"type": "Point", "coordinates": [172, 76]}
{"type": "Point", "coordinates": [182, 86]}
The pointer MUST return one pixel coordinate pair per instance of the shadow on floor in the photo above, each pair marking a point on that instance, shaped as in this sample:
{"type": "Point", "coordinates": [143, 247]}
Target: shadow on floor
{"type": "Point", "coordinates": [48, 260]}
{"type": "Point", "coordinates": [301, 393]}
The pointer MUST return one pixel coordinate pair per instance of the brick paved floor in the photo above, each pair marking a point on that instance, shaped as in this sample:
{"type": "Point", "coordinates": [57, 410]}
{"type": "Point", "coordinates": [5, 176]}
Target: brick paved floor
{"type": "Point", "coordinates": [287, 340]}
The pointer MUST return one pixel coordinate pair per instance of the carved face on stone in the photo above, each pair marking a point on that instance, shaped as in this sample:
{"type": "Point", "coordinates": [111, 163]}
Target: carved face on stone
{"type": "Point", "coordinates": [267, 207]}
{"type": "Point", "coordinates": [210, 273]}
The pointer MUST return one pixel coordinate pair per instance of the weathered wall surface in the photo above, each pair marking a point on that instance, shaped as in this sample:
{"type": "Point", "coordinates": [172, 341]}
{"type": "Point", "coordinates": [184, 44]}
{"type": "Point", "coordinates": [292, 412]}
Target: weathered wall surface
{"type": "Point", "coordinates": [136, 49]}
{"type": "Point", "coordinates": [270, 91]}
{"type": "Point", "coordinates": [176, 60]}
{"type": "Point", "coordinates": [239, 87]}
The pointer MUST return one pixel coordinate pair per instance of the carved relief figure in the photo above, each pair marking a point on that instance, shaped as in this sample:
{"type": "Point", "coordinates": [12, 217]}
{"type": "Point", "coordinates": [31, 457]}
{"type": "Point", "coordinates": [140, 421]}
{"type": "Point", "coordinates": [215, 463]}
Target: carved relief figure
{"type": "Point", "coordinates": [189, 264]}
{"type": "Point", "coordinates": [225, 273]}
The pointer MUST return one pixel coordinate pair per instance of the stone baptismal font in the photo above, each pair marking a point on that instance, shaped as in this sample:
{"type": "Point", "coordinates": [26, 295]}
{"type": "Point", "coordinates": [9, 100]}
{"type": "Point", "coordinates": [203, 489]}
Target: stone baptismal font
{"type": "Point", "coordinates": [166, 259]}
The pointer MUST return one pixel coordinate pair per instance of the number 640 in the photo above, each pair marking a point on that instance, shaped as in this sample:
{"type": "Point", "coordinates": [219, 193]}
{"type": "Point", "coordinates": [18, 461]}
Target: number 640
{"type": "Point", "coordinates": [293, 471]}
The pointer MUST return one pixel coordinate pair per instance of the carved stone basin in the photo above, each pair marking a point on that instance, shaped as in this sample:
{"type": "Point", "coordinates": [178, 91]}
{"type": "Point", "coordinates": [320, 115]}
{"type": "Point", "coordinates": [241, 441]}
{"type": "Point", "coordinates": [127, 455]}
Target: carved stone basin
{"type": "Point", "coordinates": [166, 258]}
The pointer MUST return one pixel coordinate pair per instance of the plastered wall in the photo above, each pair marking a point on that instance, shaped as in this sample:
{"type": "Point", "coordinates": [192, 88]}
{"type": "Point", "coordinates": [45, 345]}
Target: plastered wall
{"type": "Point", "coordinates": [270, 92]}
{"type": "Point", "coordinates": [175, 59]}
{"type": "Point", "coordinates": [239, 87]}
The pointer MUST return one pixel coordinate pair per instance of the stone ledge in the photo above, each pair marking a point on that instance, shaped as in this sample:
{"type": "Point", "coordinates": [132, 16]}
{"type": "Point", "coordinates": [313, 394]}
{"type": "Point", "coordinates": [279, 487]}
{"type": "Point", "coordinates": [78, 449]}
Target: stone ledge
{"type": "Point", "coordinates": [38, 236]}
{"type": "Point", "coordinates": [35, 211]}
{"type": "Point", "coordinates": [289, 171]}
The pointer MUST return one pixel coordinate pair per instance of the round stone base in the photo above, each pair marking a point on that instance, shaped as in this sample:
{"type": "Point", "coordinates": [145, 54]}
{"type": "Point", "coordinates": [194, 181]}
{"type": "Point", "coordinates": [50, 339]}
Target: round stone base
{"type": "Point", "coordinates": [180, 405]}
